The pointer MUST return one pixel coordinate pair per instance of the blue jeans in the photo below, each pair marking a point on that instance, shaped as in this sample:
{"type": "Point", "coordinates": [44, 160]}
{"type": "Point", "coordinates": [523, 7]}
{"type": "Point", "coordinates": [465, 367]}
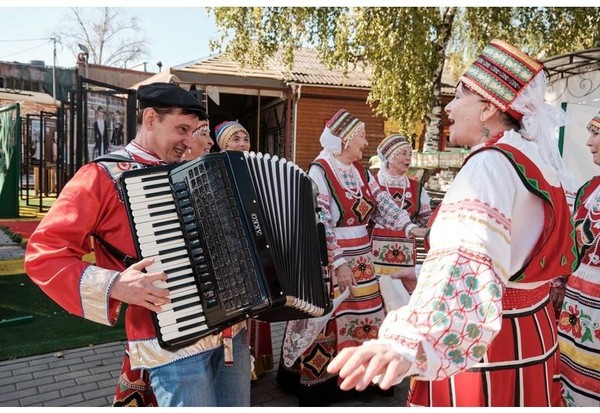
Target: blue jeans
{"type": "Point", "coordinates": [204, 379]}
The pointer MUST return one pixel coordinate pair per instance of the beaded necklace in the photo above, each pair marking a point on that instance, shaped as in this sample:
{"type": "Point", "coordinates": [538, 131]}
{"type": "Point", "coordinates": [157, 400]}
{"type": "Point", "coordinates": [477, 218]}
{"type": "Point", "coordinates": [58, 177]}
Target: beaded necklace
{"type": "Point", "coordinates": [347, 176]}
{"type": "Point", "coordinates": [386, 180]}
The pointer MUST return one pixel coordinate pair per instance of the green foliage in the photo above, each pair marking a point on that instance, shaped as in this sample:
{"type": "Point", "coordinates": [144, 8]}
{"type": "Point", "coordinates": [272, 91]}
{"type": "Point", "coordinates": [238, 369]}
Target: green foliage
{"type": "Point", "coordinates": [50, 328]}
{"type": "Point", "coordinates": [402, 46]}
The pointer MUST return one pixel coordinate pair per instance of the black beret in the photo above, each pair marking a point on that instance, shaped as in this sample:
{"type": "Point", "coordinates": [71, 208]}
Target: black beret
{"type": "Point", "coordinates": [169, 95]}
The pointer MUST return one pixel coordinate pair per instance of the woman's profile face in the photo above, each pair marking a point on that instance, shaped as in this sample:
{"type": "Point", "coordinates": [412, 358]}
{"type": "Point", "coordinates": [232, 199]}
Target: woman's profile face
{"type": "Point", "coordinates": [354, 150]}
{"type": "Point", "coordinates": [464, 114]}
{"type": "Point", "coordinates": [593, 142]}
{"type": "Point", "coordinates": [240, 141]}
{"type": "Point", "coordinates": [400, 163]}
{"type": "Point", "coordinates": [201, 144]}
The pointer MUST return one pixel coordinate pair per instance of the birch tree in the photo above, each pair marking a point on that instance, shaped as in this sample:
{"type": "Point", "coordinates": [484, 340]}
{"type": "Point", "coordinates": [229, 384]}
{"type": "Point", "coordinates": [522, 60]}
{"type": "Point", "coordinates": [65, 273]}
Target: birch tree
{"type": "Point", "coordinates": [406, 48]}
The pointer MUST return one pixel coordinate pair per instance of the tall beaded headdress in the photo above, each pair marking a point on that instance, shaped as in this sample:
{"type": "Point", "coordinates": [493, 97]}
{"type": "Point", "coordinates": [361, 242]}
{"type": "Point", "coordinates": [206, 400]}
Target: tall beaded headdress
{"type": "Point", "coordinates": [513, 81]}
{"type": "Point", "coordinates": [500, 74]}
{"type": "Point", "coordinates": [225, 131]}
{"type": "Point", "coordinates": [390, 147]}
{"type": "Point", "coordinates": [340, 129]}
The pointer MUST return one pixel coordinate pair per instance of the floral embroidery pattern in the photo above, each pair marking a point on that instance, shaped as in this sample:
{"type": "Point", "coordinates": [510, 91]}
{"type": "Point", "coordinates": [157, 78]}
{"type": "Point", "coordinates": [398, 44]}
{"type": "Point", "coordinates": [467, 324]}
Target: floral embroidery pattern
{"type": "Point", "coordinates": [362, 269]}
{"type": "Point", "coordinates": [580, 325]}
{"type": "Point", "coordinates": [569, 321]}
{"type": "Point", "coordinates": [365, 329]}
{"type": "Point", "coordinates": [395, 253]}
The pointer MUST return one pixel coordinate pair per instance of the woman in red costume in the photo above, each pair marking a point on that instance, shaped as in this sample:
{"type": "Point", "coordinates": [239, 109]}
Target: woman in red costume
{"type": "Point", "coordinates": [349, 197]}
{"type": "Point", "coordinates": [479, 329]}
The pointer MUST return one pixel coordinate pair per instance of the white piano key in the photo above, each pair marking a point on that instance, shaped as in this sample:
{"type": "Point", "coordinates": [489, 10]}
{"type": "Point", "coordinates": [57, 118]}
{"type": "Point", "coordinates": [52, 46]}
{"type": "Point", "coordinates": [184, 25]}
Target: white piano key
{"type": "Point", "coordinates": [152, 248]}
{"type": "Point", "coordinates": [172, 328]}
{"type": "Point", "coordinates": [192, 289]}
{"type": "Point", "coordinates": [155, 219]}
{"type": "Point", "coordinates": [162, 239]}
{"type": "Point", "coordinates": [172, 305]}
{"type": "Point", "coordinates": [147, 230]}
{"type": "Point", "coordinates": [172, 284]}
{"type": "Point", "coordinates": [145, 178]}
{"type": "Point", "coordinates": [169, 318]}
{"type": "Point", "coordinates": [174, 335]}
{"type": "Point", "coordinates": [139, 185]}
{"type": "Point", "coordinates": [144, 204]}
{"type": "Point", "coordinates": [162, 208]}
{"type": "Point", "coordinates": [162, 258]}
{"type": "Point", "coordinates": [187, 271]}
{"type": "Point", "coordinates": [157, 265]}
{"type": "Point", "coordinates": [147, 195]}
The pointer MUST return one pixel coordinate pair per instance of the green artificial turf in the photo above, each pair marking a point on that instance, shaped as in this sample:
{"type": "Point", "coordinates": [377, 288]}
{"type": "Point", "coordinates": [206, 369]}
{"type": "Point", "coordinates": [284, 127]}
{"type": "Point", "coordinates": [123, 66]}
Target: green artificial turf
{"type": "Point", "coordinates": [31, 323]}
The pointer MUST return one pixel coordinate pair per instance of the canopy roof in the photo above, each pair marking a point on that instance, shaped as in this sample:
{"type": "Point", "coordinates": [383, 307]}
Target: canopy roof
{"type": "Point", "coordinates": [573, 63]}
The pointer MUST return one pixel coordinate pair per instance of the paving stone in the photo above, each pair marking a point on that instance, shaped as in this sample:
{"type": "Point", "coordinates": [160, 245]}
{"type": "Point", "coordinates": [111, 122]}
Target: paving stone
{"type": "Point", "coordinates": [35, 382]}
{"type": "Point", "coordinates": [39, 399]}
{"type": "Point", "coordinates": [65, 401]}
{"type": "Point", "coordinates": [97, 402]}
{"type": "Point", "coordinates": [79, 389]}
{"type": "Point", "coordinates": [16, 378]}
{"type": "Point", "coordinates": [20, 394]}
{"type": "Point", "coordinates": [50, 372]}
{"type": "Point", "coordinates": [7, 388]}
{"type": "Point", "coordinates": [56, 386]}
{"type": "Point", "coordinates": [89, 378]}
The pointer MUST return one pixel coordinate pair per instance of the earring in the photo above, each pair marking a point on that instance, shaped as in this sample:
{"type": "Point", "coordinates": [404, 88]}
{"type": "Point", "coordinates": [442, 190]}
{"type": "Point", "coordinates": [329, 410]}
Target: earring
{"type": "Point", "coordinates": [486, 131]}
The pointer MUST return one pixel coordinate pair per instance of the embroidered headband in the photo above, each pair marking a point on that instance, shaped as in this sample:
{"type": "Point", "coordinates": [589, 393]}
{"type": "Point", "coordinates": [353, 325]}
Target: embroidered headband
{"type": "Point", "coordinates": [390, 147]}
{"type": "Point", "coordinates": [340, 129]}
{"type": "Point", "coordinates": [594, 125]}
{"type": "Point", "coordinates": [203, 126]}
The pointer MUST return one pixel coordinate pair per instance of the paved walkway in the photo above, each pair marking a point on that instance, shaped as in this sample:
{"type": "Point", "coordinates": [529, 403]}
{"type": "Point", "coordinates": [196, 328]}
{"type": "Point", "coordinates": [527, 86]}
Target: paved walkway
{"type": "Point", "coordinates": [88, 376]}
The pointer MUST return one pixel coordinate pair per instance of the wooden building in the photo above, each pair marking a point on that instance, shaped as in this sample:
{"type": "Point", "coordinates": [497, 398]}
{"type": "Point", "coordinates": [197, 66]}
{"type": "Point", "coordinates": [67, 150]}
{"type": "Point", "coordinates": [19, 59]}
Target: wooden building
{"type": "Point", "coordinates": [285, 110]}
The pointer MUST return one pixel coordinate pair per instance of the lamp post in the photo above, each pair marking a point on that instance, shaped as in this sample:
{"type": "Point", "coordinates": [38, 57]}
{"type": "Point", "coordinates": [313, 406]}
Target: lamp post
{"type": "Point", "coordinates": [86, 53]}
{"type": "Point", "coordinates": [54, 68]}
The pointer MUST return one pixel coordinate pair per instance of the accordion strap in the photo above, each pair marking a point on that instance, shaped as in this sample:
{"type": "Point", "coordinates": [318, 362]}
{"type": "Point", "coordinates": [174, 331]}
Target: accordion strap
{"type": "Point", "coordinates": [112, 157]}
{"type": "Point", "coordinates": [128, 260]}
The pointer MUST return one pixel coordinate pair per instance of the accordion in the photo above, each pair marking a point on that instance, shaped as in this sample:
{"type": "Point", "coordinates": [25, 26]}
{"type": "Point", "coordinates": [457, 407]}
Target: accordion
{"type": "Point", "coordinates": [237, 235]}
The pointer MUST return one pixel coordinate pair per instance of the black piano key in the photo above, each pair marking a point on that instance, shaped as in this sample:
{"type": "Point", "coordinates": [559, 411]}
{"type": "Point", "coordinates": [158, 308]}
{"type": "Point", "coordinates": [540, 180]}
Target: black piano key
{"type": "Point", "coordinates": [186, 318]}
{"type": "Point", "coordinates": [184, 297]}
{"type": "Point", "coordinates": [161, 204]}
{"type": "Point", "coordinates": [168, 239]}
{"type": "Point", "coordinates": [162, 224]}
{"type": "Point", "coordinates": [170, 250]}
{"type": "Point", "coordinates": [183, 307]}
{"type": "Point", "coordinates": [159, 213]}
{"type": "Point", "coordinates": [166, 231]}
{"type": "Point", "coordinates": [180, 286]}
{"type": "Point", "coordinates": [174, 258]}
{"type": "Point", "coordinates": [192, 326]}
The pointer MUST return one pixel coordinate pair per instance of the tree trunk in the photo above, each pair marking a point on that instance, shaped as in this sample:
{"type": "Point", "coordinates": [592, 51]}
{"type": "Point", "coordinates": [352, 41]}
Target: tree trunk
{"type": "Point", "coordinates": [434, 118]}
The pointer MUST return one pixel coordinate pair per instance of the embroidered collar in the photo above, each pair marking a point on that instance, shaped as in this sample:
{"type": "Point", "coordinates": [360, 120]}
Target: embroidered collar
{"type": "Point", "coordinates": [143, 155]}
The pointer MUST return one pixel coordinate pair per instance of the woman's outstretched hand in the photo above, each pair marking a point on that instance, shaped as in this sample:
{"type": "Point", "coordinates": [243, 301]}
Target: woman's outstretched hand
{"type": "Point", "coordinates": [358, 366]}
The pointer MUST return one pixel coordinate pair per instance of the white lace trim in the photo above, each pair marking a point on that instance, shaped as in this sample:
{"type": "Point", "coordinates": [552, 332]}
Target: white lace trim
{"type": "Point", "coordinates": [300, 334]}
